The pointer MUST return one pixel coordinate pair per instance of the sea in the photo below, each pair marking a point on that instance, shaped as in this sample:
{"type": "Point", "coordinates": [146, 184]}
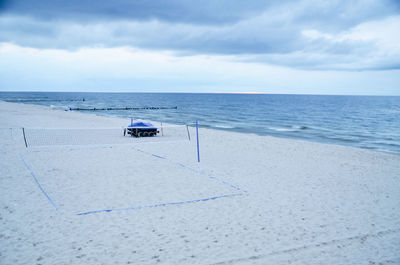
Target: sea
{"type": "Point", "coordinates": [370, 122]}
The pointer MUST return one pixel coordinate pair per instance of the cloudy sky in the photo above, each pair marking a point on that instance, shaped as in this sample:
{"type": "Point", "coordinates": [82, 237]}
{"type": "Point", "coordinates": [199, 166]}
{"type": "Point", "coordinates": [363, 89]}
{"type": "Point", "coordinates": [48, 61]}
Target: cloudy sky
{"type": "Point", "coordinates": [305, 46]}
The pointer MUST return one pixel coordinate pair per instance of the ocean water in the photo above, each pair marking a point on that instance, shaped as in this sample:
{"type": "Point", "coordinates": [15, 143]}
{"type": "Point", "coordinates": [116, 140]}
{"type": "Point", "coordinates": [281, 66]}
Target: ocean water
{"type": "Point", "coordinates": [370, 122]}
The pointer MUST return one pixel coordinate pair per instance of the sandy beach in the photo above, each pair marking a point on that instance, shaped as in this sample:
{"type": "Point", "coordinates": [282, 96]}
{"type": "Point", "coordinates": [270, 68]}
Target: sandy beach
{"type": "Point", "coordinates": [251, 200]}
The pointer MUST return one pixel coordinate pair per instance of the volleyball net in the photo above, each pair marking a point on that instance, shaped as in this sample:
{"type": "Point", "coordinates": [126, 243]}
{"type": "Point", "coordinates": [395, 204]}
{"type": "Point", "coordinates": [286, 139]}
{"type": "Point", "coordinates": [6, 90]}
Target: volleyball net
{"type": "Point", "coordinates": [104, 136]}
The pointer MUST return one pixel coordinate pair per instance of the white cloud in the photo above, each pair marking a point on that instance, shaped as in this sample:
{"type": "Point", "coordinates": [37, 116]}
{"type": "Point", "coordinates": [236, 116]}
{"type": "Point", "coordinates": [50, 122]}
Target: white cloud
{"type": "Point", "coordinates": [385, 33]}
{"type": "Point", "coordinates": [370, 45]}
{"type": "Point", "coordinates": [313, 34]}
{"type": "Point", "coordinates": [127, 69]}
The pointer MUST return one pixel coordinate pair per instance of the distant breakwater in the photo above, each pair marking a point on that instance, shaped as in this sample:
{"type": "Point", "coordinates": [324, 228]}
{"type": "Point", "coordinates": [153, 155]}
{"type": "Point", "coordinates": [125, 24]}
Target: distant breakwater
{"type": "Point", "coordinates": [126, 108]}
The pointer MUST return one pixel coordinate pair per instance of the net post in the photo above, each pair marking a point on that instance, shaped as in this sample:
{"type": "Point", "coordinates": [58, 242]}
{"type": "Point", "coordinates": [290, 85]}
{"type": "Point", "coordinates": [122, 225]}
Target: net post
{"type": "Point", "coordinates": [187, 128]}
{"type": "Point", "coordinates": [23, 132]}
{"type": "Point", "coordinates": [197, 136]}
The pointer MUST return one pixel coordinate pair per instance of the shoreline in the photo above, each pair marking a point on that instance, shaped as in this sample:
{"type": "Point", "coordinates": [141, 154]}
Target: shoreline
{"type": "Point", "coordinates": [210, 128]}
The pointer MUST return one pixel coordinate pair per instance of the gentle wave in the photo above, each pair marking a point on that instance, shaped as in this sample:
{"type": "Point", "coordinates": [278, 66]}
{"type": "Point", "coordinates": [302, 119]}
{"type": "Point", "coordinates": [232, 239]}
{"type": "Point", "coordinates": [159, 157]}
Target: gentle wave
{"type": "Point", "coordinates": [281, 129]}
{"type": "Point", "coordinates": [360, 121]}
{"type": "Point", "coordinates": [293, 128]}
{"type": "Point", "coordinates": [224, 126]}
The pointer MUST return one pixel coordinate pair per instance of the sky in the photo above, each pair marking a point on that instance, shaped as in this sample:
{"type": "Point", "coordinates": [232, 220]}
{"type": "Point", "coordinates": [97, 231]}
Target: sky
{"type": "Point", "coordinates": [347, 47]}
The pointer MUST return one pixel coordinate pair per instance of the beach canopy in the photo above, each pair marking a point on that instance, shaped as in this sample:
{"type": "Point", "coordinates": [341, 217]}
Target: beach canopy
{"type": "Point", "coordinates": [142, 124]}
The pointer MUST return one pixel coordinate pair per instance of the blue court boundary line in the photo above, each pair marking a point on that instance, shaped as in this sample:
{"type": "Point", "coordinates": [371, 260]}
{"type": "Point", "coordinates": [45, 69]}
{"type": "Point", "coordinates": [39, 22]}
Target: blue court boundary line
{"type": "Point", "coordinates": [162, 204]}
{"type": "Point", "coordinates": [195, 171]}
{"type": "Point", "coordinates": [37, 182]}
{"type": "Point", "coordinates": [243, 192]}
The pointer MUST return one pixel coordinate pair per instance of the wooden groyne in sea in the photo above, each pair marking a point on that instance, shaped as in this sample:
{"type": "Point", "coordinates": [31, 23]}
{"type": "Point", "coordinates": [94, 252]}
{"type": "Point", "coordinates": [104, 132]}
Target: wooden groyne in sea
{"type": "Point", "coordinates": [125, 108]}
{"type": "Point", "coordinates": [42, 100]}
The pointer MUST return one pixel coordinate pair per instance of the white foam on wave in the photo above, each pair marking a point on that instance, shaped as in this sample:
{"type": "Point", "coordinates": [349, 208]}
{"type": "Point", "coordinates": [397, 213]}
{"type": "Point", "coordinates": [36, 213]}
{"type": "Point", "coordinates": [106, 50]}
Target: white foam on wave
{"type": "Point", "coordinates": [281, 129]}
{"type": "Point", "coordinates": [223, 126]}
{"type": "Point", "coordinates": [53, 107]}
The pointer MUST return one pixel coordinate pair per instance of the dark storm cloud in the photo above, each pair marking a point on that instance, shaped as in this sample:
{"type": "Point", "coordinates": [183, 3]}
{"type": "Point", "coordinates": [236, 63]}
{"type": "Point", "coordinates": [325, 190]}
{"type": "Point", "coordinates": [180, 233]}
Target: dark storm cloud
{"type": "Point", "coordinates": [185, 11]}
{"type": "Point", "coordinates": [260, 31]}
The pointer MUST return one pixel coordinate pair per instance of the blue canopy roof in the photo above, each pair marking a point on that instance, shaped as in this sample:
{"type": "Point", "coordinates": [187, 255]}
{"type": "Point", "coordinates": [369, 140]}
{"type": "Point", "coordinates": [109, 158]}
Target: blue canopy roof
{"type": "Point", "coordinates": [142, 124]}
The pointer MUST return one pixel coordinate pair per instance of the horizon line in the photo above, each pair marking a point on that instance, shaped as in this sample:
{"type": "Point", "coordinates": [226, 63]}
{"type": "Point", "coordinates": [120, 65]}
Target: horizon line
{"type": "Point", "coordinates": [208, 92]}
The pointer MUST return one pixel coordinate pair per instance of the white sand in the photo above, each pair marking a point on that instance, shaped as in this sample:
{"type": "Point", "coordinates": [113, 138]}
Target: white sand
{"type": "Point", "coordinates": [295, 203]}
